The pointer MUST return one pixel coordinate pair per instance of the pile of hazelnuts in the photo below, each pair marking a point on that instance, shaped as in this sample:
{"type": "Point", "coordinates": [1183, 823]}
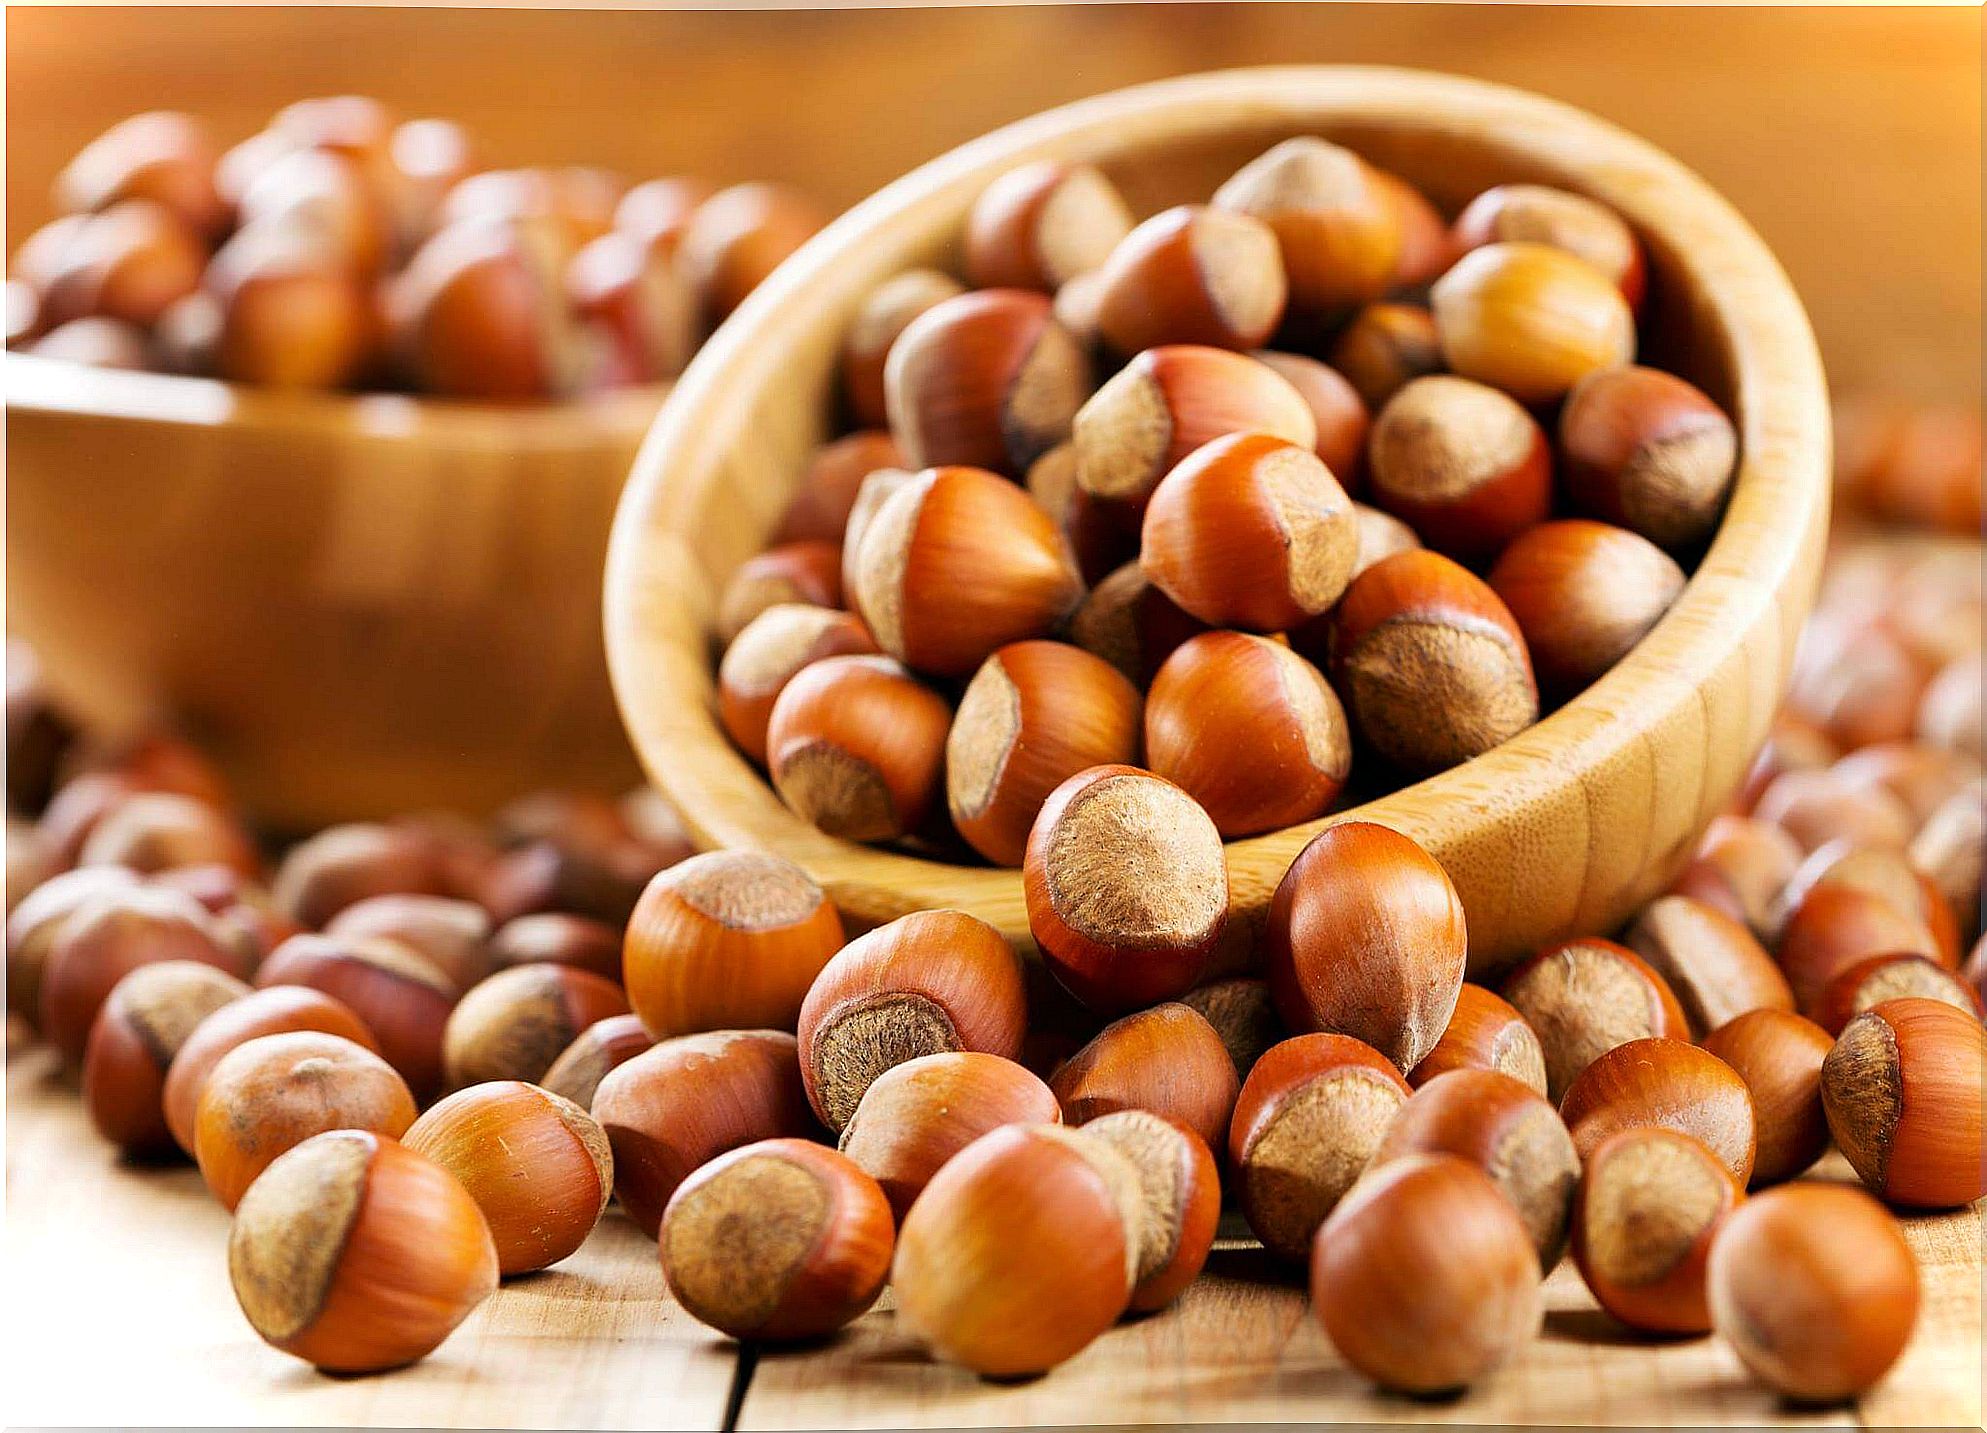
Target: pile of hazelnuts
{"type": "Point", "coordinates": [339, 248]}
{"type": "Point", "coordinates": [1230, 494]}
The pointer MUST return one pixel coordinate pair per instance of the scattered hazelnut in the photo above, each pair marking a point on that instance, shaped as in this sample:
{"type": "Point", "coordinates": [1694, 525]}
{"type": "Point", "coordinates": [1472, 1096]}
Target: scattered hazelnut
{"type": "Point", "coordinates": [1167, 1060]}
{"type": "Point", "coordinates": [1778, 1054]}
{"type": "Point", "coordinates": [1740, 867]}
{"type": "Point", "coordinates": [1710, 962]}
{"type": "Point", "coordinates": [603, 1046]}
{"type": "Point", "coordinates": [1585, 997]}
{"type": "Point", "coordinates": [1181, 1200]}
{"type": "Point", "coordinates": [1870, 982]}
{"type": "Point", "coordinates": [142, 1026]}
{"type": "Point", "coordinates": [1666, 1083]}
{"type": "Point", "coordinates": [1903, 1095]}
{"type": "Point", "coordinates": [454, 934]}
{"type": "Point", "coordinates": [513, 1025]}
{"type": "Point", "coordinates": [1243, 1014]}
{"type": "Point", "coordinates": [1817, 806]}
{"type": "Point", "coordinates": [403, 997]}
{"type": "Point", "coordinates": [342, 865]}
{"type": "Point", "coordinates": [1649, 1208]}
{"type": "Point", "coordinates": [1838, 926]}
{"type": "Point", "coordinates": [1484, 1033]}
{"type": "Point", "coordinates": [39, 918]}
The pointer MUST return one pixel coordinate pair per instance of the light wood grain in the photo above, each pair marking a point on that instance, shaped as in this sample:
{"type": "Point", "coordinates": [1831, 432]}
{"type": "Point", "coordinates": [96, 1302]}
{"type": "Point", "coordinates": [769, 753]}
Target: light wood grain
{"type": "Point", "coordinates": [104, 1259]}
{"type": "Point", "coordinates": [1564, 829]}
{"type": "Point", "coordinates": [359, 605]}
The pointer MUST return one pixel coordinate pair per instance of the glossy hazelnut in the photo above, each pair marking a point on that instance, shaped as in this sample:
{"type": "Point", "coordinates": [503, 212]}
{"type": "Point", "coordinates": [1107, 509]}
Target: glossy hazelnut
{"type": "Point", "coordinates": [1815, 1289]}
{"type": "Point", "coordinates": [1740, 867]}
{"type": "Point", "coordinates": [1307, 1121]}
{"type": "Point", "coordinates": [737, 237]}
{"type": "Point", "coordinates": [1464, 464]}
{"type": "Point", "coordinates": [930, 982]}
{"type": "Point", "coordinates": [1336, 407]}
{"type": "Point", "coordinates": [1022, 1249]}
{"type": "Point", "coordinates": [826, 495]}
{"type": "Point", "coordinates": [856, 745]}
{"type": "Point", "coordinates": [1386, 347]}
{"type": "Point", "coordinates": [876, 490]}
{"type": "Point", "coordinates": [558, 938]}
{"type": "Point", "coordinates": [1191, 275]}
{"type": "Point", "coordinates": [356, 1254]}
{"type": "Point", "coordinates": [275, 1010]}
{"type": "Point", "coordinates": [603, 1046]}
{"type": "Point", "coordinates": [1778, 1054]}
{"type": "Point", "coordinates": [292, 314]}
{"type": "Point", "coordinates": [106, 938]}
{"type": "Point", "coordinates": [1871, 982]}
{"type": "Point", "coordinates": [1338, 227]}
{"type": "Point", "coordinates": [1250, 730]}
{"type": "Point", "coordinates": [956, 564]}
{"type": "Point", "coordinates": [162, 156]}
{"type": "Point", "coordinates": [1645, 449]}
{"type": "Point", "coordinates": [1836, 927]}
{"type": "Point", "coordinates": [1127, 888]}
{"type": "Point", "coordinates": [727, 940]}
{"type": "Point", "coordinates": [642, 307]}
{"type": "Point", "coordinates": [1666, 1083]}
{"type": "Point", "coordinates": [141, 1028]}
{"type": "Point", "coordinates": [271, 1093]}
{"type": "Point", "coordinates": [1711, 963]}
{"type": "Point", "coordinates": [343, 865]}
{"type": "Point", "coordinates": [536, 1164]}
{"type": "Point", "coordinates": [879, 319]}
{"type": "Point", "coordinates": [1881, 871]}
{"type": "Point", "coordinates": [1243, 1014]}
{"type": "Point", "coordinates": [1507, 1130]}
{"type": "Point", "coordinates": [808, 572]}
{"type": "Point", "coordinates": [1181, 1200]}
{"type": "Point", "coordinates": [1649, 1207]}
{"type": "Point", "coordinates": [454, 934]}
{"type": "Point", "coordinates": [1584, 594]}
{"type": "Point", "coordinates": [1425, 246]}
{"type": "Point", "coordinates": [986, 379]}
{"type": "Point", "coordinates": [682, 1103]}
{"type": "Point", "coordinates": [480, 312]}
{"type": "Point", "coordinates": [1484, 1033]}
{"type": "Point", "coordinates": [1169, 401]}
{"type": "Point", "coordinates": [403, 997]}
{"type": "Point", "coordinates": [1365, 938]}
{"type": "Point", "coordinates": [513, 1025]}
{"type": "Point", "coordinates": [1585, 997]}
{"type": "Point", "coordinates": [1531, 320]}
{"type": "Point", "coordinates": [1167, 1060]}
{"type": "Point", "coordinates": [1534, 213]}
{"type": "Point", "coordinates": [1131, 624]}
{"type": "Point", "coordinates": [1430, 663]}
{"type": "Point", "coordinates": [1817, 806]}
{"type": "Point", "coordinates": [1903, 1094]}
{"type": "Point", "coordinates": [1425, 1277]}
{"type": "Point", "coordinates": [1101, 534]}
{"type": "Point", "coordinates": [776, 1242]}
{"type": "Point", "coordinates": [38, 919]}
{"type": "Point", "coordinates": [130, 263]}
{"type": "Point", "coordinates": [1041, 224]}
{"type": "Point", "coordinates": [1250, 531]}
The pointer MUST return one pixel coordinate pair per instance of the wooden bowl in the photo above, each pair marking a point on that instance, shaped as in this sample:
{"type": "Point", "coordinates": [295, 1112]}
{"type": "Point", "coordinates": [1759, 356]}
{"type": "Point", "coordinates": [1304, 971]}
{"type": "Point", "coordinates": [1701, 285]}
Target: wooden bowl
{"type": "Point", "coordinates": [362, 604]}
{"type": "Point", "coordinates": [1564, 828]}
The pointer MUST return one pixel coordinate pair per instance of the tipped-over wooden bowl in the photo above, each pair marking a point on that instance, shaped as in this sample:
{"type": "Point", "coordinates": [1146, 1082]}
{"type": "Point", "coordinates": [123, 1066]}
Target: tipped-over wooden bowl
{"type": "Point", "coordinates": [1566, 827]}
{"type": "Point", "coordinates": [362, 604]}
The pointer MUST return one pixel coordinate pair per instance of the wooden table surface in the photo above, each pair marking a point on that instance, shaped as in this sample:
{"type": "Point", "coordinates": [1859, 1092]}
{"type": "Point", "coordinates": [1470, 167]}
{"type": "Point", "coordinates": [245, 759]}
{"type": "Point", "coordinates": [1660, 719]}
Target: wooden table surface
{"type": "Point", "coordinates": [118, 1312]}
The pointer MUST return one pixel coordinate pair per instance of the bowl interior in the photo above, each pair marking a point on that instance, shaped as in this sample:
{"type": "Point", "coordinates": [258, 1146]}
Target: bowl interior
{"type": "Point", "coordinates": [1631, 769]}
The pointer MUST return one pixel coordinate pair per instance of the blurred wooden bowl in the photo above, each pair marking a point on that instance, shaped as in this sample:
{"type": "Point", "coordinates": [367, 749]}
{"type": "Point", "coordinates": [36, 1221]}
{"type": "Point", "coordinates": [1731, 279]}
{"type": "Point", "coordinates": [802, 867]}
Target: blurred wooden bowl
{"type": "Point", "coordinates": [1563, 829]}
{"type": "Point", "coordinates": [362, 604]}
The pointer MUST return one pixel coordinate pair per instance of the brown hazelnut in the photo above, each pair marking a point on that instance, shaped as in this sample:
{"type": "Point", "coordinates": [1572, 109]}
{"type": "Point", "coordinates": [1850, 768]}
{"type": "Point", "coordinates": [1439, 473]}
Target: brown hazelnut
{"type": "Point", "coordinates": [161, 155]}
{"type": "Point", "coordinates": [1666, 1083]}
{"type": "Point", "coordinates": [1191, 275]}
{"type": "Point", "coordinates": [402, 996]}
{"type": "Point", "coordinates": [1903, 1095]}
{"type": "Point", "coordinates": [1340, 413]}
{"type": "Point", "coordinates": [826, 494]}
{"type": "Point", "coordinates": [1649, 1208]}
{"type": "Point", "coordinates": [1386, 347]}
{"type": "Point", "coordinates": [141, 1028]}
{"type": "Point", "coordinates": [603, 1046]}
{"type": "Point", "coordinates": [886, 313]}
{"type": "Point", "coordinates": [1338, 227]}
{"type": "Point", "coordinates": [1181, 1200]}
{"type": "Point", "coordinates": [856, 745]}
{"type": "Point", "coordinates": [737, 237]}
{"type": "Point", "coordinates": [1584, 998]}
{"type": "Point", "coordinates": [342, 865]}
{"type": "Point", "coordinates": [1645, 449]}
{"type": "Point", "coordinates": [1484, 1033]}
{"type": "Point", "coordinates": [1131, 624]}
{"type": "Point", "coordinates": [1710, 962]}
{"type": "Point", "coordinates": [1530, 319]}
{"type": "Point", "coordinates": [1166, 1059]}
{"type": "Point", "coordinates": [1041, 224]}
{"type": "Point", "coordinates": [1584, 594]}
{"type": "Point", "coordinates": [1466, 465]}
{"type": "Point", "coordinates": [808, 572]}
{"type": "Point", "coordinates": [1537, 214]}
{"type": "Point", "coordinates": [1243, 1014]}
{"type": "Point", "coordinates": [1778, 1054]}
{"type": "Point", "coordinates": [513, 1025]}
{"type": "Point", "coordinates": [454, 934]}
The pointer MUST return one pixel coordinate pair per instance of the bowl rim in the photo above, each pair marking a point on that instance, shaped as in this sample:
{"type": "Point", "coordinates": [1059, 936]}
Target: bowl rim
{"type": "Point", "coordinates": [1757, 575]}
{"type": "Point", "coordinates": [38, 385]}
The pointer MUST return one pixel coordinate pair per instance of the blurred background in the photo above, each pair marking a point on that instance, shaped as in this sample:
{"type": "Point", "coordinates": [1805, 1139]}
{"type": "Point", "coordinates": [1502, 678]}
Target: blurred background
{"type": "Point", "coordinates": [1850, 137]}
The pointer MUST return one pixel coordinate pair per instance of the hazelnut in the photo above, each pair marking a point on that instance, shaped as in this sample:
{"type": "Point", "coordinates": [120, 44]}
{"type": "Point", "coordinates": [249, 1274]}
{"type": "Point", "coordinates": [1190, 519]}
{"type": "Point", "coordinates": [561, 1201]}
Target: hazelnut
{"type": "Point", "coordinates": [161, 155]}
{"type": "Point", "coordinates": [1034, 715]}
{"type": "Point", "coordinates": [737, 237]}
{"type": "Point", "coordinates": [1948, 849]}
{"type": "Point", "coordinates": [1040, 225]}
{"type": "Point", "coordinates": [679, 1105]}
{"type": "Point", "coordinates": [1386, 347]}
{"type": "Point", "coordinates": [1584, 998]}
{"type": "Point", "coordinates": [1131, 624]}
{"type": "Point", "coordinates": [1531, 320]}
{"type": "Point", "coordinates": [876, 489]}
{"type": "Point", "coordinates": [1881, 871]}
{"type": "Point", "coordinates": [986, 379]}
{"type": "Point", "coordinates": [1507, 1130]}
{"type": "Point", "coordinates": [34, 924]}
{"type": "Point", "coordinates": [454, 934]}
{"type": "Point", "coordinates": [1338, 226]}
{"type": "Point", "coordinates": [1740, 867]}
{"type": "Point", "coordinates": [1250, 730]}
{"type": "Point", "coordinates": [1818, 806]}
{"type": "Point", "coordinates": [890, 309]}
{"type": "Point", "coordinates": [1430, 662]}
{"type": "Point", "coordinates": [1903, 1095]}
{"type": "Point", "coordinates": [1645, 449]}
{"type": "Point", "coordinates": [480, 312]}
{"type": "Point", "coordinates": [1250, 531]}
{"type": "Point", "coordinates": [808, 572]}
{"type": "Point", "coordinates": [1425, 1277]}
{"type": "Point", "coordinates": [1167, 1060]}
{"type": "Point", "coordinates": [271, 1093]}
{"type": "Point", "coordinates": [1815, 1289]}
{"type": "Point", "coordinates": [1191, 275]}
{"type": "Point", "coordinates": [1584, 594]}
{"type": "Point", "coordinates": [129, 263]}
{"type": "Point", "coordinates": [856, 745]}
{"type": "Point", "coordinates": [1336, 407]}
{"type": "Point", "coordinates": [727, 940]}
{"type": "Point", "coordinates": [342, 865]}
{"type": "Point", "coordinates": [657, 211]}
{"type": "Point", "coordinates": [293, 314]}
{"type": "Point", "coordinates": [1778, 1054]}
{"type": "Point", "coordinates": [276, 1010]}
{"type": "Point", "coordinates": [1949, 713]}
{"type": "Point", "coordinates": [1181, 1200]}
{"type": "Point", "coordinates": [403, 997]}
{"type": "Point", "coordinates": [767, 654]}
{"type": "Point", "coordinates": [1243, 1014]}
{"type": "Point", "coordinates": [1425, 245]}
{"type": "Point", "coordinates": [1308, 1119]}
{"type": "Point", "coordinates": [1463, 463]}
{"type": "Point", "coordinates": [142, 1026]}
{"type": "Point", "coordinates": [1856, 682]}
{"type": "Point", "coordinates": [1484, 1033]}
{"type": "Point", "coordinates": [1169, 401]}
{"type": "Point", "coordinates": [1649, 1208]}
{"type": "Point", "coordinates": [1127, 888]}
{"type": "Point", "coordinates": [1101, 535]}
{"type": "Point", "coordinates": [1870, 982]}
{"type": "Point", "coordinates": [324, 195]}
{"type": "Point", "coordinates": [1669, 1084]}
{"type": "Point", "coordinates": [1534, 213]}
{"type": "Point", "coordinates": [1710, 962]}
{"type": "Point", "coordinates": [956, 564]}
{"type": "Point", "coordinates": [603, 1046]}
{"type": "Point", "coordinates": [1838, 926]}
{"type": "Point", "coordinates": [1923, 777]}
{"type": "Point", "coordinates": [356, 1254]}
{"type": "Point", "coordinates": [779, 1241]}
{"type": "Point", "coordinates": [931, 982]}
{"type": "Point", "coordinates": [820, 506]}
{"type": "Point", "coordinates": [641, 307]}
{"type": "Point", "coordinates": [513, 1025]}
{"type": "Point", "coordinates": [1023, 1248]}
{"type": "Point", "coordinates": [1366, 938]}
{"type": "Point", "coordinates": [536, 1164]}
